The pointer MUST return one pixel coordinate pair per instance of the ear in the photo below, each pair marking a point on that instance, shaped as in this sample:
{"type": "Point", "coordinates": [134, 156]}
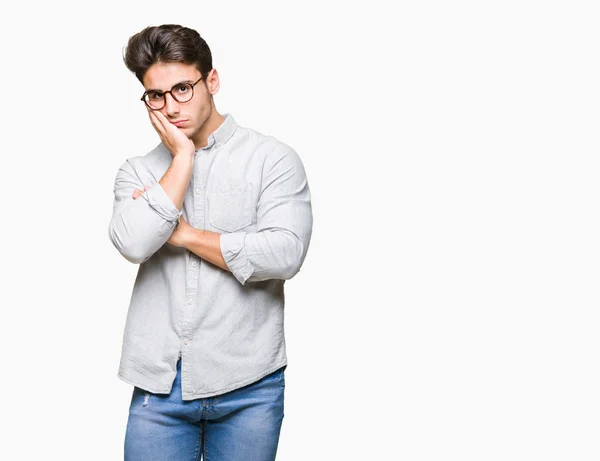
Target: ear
{"type": "Point", "coordinates": [212, 82]}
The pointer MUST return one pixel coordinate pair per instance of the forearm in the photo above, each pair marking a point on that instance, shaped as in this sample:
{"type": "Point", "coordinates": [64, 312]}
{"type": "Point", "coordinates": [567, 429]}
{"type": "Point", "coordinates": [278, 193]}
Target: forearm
{"type": "Point", "coordinates": [270, 254]}
{"type": "Point", "coordinates": [275, 254]}
{"type": "Point", "coordinates": [141, 228]}
{"type": "Point", "coordinates": [138, 228]}
{"type": "Point", "coordinates": [176, 179]}
{"type": "Point", "coordinates": [206, 245]}
{"type": "Point", "coordinates": [277, 247]}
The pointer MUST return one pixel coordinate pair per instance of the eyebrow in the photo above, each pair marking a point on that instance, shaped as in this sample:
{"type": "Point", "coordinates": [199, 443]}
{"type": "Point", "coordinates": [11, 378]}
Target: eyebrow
{"type": "Point", "coordinates": [162, 91]}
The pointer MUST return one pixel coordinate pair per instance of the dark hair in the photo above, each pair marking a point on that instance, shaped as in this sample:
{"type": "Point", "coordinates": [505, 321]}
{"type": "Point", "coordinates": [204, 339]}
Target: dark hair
{"type": "Point", "coordinates": [166, 43]}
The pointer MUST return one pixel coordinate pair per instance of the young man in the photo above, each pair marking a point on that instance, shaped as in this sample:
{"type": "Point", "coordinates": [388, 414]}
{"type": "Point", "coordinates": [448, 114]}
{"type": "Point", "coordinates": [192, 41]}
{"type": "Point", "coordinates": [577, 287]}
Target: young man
{"type": "Point", "coordinates": [218, 216]}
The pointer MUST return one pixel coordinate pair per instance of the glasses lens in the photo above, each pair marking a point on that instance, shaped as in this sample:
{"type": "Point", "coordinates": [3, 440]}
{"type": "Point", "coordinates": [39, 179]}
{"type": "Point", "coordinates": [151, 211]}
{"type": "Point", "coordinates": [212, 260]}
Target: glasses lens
{"type": "Point", "coordinates": [182, 92]}
{"type": "Point", "coordinates": [155, 99]}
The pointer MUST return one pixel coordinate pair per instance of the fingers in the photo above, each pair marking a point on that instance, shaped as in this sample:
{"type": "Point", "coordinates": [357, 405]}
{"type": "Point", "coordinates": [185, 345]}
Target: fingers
{"type": "Point", "coordinates": [159, 120]}
{"type": "Point", "coordinates": [163, 127]}
{"type": "Point", "coordinates": [155, 122]}
{"type": "Point", "coordinates": [139, 192]}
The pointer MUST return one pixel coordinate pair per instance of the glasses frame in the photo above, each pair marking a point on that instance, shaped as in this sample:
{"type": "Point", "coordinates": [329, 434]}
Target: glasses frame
{"type": "Point", "coordinates": [164, 95]}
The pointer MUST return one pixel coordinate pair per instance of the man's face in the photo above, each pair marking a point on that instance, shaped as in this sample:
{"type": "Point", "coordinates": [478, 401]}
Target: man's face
{"type": "Point", "coordinates": [188, 116]}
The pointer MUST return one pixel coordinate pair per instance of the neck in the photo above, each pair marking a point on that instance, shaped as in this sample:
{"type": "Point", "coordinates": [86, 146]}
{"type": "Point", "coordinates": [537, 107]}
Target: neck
{"type": "Point", "coordinates": [212, 123]}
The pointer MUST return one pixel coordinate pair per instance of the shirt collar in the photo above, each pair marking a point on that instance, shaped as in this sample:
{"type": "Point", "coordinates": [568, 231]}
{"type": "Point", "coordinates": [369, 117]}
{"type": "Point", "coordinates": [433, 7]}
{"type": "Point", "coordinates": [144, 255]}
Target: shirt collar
{"type": "Point", "coordinates": [223, 132]}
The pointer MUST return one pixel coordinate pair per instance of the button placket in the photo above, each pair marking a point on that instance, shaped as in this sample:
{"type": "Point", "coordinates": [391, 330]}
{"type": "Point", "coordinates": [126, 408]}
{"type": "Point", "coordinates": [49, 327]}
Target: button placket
{"type": "Point", "coordinates": [193, 272]}
{"type": "Point", "coordinates": [191, 293]}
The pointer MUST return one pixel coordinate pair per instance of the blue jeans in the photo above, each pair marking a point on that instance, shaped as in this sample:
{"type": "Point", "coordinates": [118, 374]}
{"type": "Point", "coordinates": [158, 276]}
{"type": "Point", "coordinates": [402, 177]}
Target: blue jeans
{"type": "Point", "coordinates": [240, 425]}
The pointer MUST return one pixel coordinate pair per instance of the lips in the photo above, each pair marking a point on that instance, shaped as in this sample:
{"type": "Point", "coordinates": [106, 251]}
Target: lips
{"type": "Point", "coordinates": [179, 122]}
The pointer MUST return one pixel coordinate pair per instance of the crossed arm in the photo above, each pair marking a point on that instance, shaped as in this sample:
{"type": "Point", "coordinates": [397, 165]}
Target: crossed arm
{"type": "Point", "coordinates": [205, 244]}
{"type": "Point", "coordinates": [276, 250]}
{"type": "Point", "coordinates": [145, 219]}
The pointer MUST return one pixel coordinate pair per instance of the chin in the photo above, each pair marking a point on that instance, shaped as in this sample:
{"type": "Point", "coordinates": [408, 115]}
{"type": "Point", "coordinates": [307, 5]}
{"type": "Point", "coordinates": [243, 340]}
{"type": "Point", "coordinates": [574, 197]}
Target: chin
{"type": "Point", "coordinates": [186, 131]}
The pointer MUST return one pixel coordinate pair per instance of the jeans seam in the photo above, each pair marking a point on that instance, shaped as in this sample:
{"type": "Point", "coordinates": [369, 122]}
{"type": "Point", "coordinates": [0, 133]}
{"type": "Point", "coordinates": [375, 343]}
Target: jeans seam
{"type": "Point", "coordinates": [204, 448]}
{"type": "Point", "coordinates": [199, 439]}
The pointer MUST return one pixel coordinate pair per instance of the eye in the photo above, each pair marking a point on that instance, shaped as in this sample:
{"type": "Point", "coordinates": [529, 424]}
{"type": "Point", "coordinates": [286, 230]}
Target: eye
{"type": "Point", "coordinates": [154, 95]}
{"type": "Point", "coordinates": [182, 89]}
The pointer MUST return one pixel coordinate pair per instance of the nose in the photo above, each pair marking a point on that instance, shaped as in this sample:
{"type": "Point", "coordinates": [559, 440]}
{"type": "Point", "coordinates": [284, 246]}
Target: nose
{"type": "Point", "coordinates": [171, 106]}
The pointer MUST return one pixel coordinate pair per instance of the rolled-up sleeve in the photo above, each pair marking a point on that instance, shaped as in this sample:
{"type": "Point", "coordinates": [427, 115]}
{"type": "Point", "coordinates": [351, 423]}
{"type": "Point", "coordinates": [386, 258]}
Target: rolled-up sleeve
{"type": "Point", "coordinates": [284, 223]}
{"type": "Point", "coordinates": [139, 227]}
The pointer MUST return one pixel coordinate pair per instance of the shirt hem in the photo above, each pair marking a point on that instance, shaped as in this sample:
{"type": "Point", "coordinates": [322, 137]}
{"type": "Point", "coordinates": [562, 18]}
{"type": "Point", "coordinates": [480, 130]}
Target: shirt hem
{"type": "Point", "coordinates": [136, 383]}
{"type": "Point", "coordinates": [233, 387]}
{"type": "Point", "coordinates": [203, 395]}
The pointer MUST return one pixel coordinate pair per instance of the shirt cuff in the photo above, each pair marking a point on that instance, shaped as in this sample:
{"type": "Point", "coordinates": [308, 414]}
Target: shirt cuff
{"type": "Point", "coordinates": [158, 199]}
{"type": "Point", "coordinates": [234, 253]}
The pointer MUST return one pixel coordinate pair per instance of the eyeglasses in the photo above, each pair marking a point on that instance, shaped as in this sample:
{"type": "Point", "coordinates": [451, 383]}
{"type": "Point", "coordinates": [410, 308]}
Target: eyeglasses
{"type": "Point", "coordinates": [181, 92]}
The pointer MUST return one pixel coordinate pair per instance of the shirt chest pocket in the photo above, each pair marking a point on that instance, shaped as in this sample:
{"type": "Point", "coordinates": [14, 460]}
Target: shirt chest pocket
{"type": "Point", "coordinates": [231, 207]}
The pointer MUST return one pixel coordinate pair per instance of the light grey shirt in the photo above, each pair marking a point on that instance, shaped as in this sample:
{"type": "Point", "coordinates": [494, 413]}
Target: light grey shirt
{"type": "Point", "coordinates": [227, 327]}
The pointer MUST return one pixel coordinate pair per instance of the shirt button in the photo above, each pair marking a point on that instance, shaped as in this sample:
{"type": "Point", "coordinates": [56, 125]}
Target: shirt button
{"type": "Point", "coordinates": [186, 341]}
{"type": "Point", "coordinates": [194, 263]}
{"type": "Point", "coordinates": [190, 301]}
{"type": "Point", "coordinates": [198, 191]}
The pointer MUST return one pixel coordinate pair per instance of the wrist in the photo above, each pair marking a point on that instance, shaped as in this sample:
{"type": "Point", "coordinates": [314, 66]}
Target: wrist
{"type": "Point", "coordinates": [188, 236]}
{"type": "Point", "coordinates": [186, 156]}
